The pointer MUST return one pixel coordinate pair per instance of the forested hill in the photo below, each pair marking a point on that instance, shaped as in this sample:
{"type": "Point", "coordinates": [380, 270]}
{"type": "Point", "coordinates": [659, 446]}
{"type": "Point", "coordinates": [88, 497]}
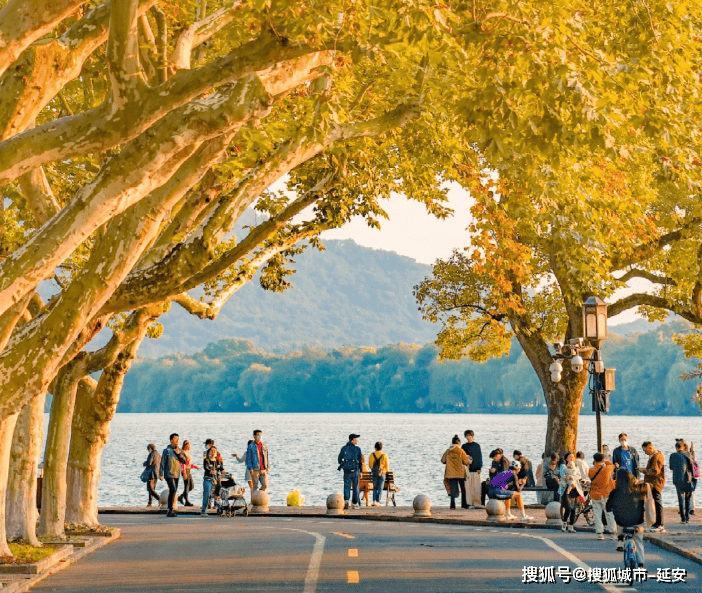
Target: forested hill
{"type": "Point", "coordinates": [233, 376]}
{"type": "Point", "coordinates": [346, 295]}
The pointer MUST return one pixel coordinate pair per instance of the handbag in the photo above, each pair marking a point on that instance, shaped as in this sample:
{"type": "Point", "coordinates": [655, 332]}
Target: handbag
{"type": "Point", "coordinates": [447, 485]}
{"type": "Point", "coordinates": [649, 507]}
{"type": "Point", "coordinates": [146, 475]}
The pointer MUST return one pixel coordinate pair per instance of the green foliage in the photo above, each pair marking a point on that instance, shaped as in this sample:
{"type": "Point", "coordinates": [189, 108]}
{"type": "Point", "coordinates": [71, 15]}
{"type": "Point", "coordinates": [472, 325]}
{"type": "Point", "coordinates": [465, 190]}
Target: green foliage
{"type": "Point", "coordinates": [234, 376]}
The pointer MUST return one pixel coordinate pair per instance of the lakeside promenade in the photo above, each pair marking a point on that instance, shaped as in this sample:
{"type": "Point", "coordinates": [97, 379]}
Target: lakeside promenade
{"type": "Point", "coordinates": [370, 549]}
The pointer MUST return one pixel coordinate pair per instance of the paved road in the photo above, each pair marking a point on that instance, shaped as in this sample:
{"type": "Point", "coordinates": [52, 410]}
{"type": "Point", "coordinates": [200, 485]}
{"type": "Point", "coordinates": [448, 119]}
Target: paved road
{"type": "Point", "coordinates": [320, 555]}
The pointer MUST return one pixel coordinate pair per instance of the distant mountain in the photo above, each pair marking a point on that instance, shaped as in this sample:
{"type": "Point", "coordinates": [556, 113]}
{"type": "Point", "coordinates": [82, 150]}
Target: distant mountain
{"type": "Point", "coordinates": [639, 326]}
{"type": "Point", "coordinates": [347, 295]}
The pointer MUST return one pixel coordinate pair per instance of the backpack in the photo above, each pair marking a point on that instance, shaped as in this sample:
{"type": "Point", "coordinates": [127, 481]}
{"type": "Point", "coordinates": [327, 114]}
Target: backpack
{"type": "Point", "coordinates": [376, 464]}
{"type": "Point", "coordinates": [695, 469]}
{"type": "Point", "coordinates": [350, 462]}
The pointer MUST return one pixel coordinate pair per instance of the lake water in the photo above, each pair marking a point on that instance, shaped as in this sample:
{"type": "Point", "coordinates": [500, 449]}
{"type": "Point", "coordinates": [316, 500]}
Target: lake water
{"type": "Point", "coordinates": [303, 448]}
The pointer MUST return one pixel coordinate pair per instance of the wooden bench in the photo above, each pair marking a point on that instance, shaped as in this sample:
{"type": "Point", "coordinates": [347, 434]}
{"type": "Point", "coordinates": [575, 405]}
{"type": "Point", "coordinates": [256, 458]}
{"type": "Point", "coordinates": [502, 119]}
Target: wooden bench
{"type": "Point", "coordinates": [389, 486]}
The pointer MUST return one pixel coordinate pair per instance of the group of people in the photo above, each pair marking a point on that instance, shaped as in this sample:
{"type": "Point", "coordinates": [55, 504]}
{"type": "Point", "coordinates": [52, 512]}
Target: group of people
{"type": "Point", "coordinates": [505, 481]}
{"type": "Point", "coordinates": [176, 462]}
{"type": "Point", "coordinates": [352, 461]}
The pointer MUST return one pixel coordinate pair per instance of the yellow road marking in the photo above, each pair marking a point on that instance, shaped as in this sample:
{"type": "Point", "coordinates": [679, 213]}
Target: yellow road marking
{"type": "Point", "coordinates": [353, 552]}
{"type": "Point", "coordinates": [346, 535]}
{"type": "Point", "coordinates": [352, 577]}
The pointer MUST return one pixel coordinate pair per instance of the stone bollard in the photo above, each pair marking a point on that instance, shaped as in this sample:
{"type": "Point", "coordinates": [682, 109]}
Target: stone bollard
{"type": "Point", "coordinates": [496, 511]}
{"type": "Point", "coordinates": [553, 513]}
{"type": "Point", "coordinates": [259, 502]}
{"type": "Point", "coordinates": [422, 506]}
{"type": "Point", "coordinates": [163, 501]}
{"type": "Point", "coordinates": [335, 504]}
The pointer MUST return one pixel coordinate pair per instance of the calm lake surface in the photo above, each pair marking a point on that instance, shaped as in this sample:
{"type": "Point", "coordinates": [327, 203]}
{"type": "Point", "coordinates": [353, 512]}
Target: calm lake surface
{"type": "Point", "coordinates": [303, 448]}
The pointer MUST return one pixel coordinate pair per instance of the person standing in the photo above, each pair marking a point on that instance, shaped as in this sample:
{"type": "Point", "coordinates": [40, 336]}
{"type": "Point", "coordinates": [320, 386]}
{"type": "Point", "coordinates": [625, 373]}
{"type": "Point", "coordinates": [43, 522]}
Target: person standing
{"type": "Point", "coordinates": [213, 467]}
{"type": "Point", "coordinates": [171, 458]}
{"type": "Point", "coordinates": [602, 483]}
{"type": "Point", "coordinates": [626, 456]}
{"type": "Point", "coordinates": [582, 465]}
{"type": "Point", "coordinates": [186, 470]}
{"type": "Point", "coordinates": [153, 469]}
{"type": "Point", "coordinates": [691, 452]}
{"type": "Point", "coordinates": [472, 450]}
{"type": "Point", "coordinates": [257, 461]}
{"type": "Point", "coordinates": [681, 466]}
{"type": "Point", "coordinates": [208, 443]}
{"type": "Point", "coordinates": [654, 474]}
{"type": "Point", "coordinates": [351, 460]}
{"type": "Point", "coordinates": [456, 462]}
{"type": "Point", "coordinates": [379, 467]}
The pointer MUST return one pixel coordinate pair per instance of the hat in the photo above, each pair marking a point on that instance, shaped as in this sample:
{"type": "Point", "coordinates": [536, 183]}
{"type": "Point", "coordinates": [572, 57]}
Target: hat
{"type": "Point", "coordinates": [515, 465]}
{"type": "Point", "coordinates": [353, 436]}
{"type": "Point", "coordinates": [209, 442]}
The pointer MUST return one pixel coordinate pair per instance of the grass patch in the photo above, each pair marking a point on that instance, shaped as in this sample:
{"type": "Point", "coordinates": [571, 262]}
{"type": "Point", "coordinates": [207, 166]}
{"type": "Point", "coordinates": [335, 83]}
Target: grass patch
{"type": "Point", "coordinates": [26, 554]}
{"type": "Point", "coordinates": [77, 528]}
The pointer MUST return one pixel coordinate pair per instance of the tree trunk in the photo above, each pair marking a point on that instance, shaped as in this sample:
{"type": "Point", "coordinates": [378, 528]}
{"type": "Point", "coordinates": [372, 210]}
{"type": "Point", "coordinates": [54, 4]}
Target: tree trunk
{"type": "Point", "coordinates": [21, 498]}
{"type": "Point", "coordinates": [53, 491]}
{"type": "Point", "coordinates": [7, 428]}
{"type": "Point", "coordinates": [95, 408]}
{"type": "Point", "coordinates": [562, 399]}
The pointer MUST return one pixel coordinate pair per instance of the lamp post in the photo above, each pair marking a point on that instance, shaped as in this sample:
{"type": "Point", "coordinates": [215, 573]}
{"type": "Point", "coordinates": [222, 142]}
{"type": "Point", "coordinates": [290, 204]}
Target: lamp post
{"type": "Point", "coordinates": [602, 380]}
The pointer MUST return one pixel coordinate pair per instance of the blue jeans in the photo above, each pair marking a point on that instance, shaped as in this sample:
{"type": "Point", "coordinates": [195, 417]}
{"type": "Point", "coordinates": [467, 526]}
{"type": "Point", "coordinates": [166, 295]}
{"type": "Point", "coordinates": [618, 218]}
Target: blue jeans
{"type": "Point", "coordinates": [684, 502]}
{"type": "Point", "coordinates": [351, 482]}
{"type": "Point", "coordinates": [378, 484]}
{"type": "Point", "coordinates": [206, 491]}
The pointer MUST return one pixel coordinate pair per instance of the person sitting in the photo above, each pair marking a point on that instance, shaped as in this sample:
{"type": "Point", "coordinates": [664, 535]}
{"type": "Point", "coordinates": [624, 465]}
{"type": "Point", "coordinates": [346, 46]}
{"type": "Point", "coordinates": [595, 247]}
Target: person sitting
{"type": "Point", "coordinates": [552, 476]}
{"type": "Point", "coordinates": [626, 502]}
{"type": "Point", "coordinates": [506, 487]}
{"type": "Point", "coordinates": [499, 464]}
{"type": "Point", "coordinates": [526, 474]}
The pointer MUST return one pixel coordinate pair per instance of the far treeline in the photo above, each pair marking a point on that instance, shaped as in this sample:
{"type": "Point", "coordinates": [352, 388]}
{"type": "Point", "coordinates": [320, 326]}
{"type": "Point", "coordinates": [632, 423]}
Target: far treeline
{"type": "Point", "coordinates": [234, 376]}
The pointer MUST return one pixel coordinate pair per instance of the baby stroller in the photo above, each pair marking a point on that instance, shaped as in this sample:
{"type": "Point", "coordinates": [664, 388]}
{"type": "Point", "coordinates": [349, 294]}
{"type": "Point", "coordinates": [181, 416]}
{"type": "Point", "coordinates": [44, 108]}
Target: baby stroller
{"type": "Point", "coordinates": [228, 497]}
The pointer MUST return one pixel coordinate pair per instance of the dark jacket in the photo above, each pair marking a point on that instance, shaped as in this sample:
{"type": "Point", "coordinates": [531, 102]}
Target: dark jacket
{"type": "Point", "coordinates": [498, 466]}
{"type": "Point", "coordinates": [680, 464]}
{"type": "Point", "coordinates": [628, 507]}
{"type": "Point", "coordinates": [252, 457]}
{"type": "Point", "coordinates": [212, 468]}
{"type": "Point", "coordinates": [350, 458]}
{"type": "Point", "coordinates": [473, 451]}
{"type": "Point", "coordinates": [170, 462]}
{"type": "Point", "coordinates": [617, 459]}
{"type": "Point", "coordinates": [153, 463]}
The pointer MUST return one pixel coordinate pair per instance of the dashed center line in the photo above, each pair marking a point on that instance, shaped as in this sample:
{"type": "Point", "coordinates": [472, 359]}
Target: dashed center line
{"type": "Point", "coordinates": [346, 535]}
{"type": "Point", "coordinates": [353, 552]}
{"type": "Point", "coordinates": [352, 577]}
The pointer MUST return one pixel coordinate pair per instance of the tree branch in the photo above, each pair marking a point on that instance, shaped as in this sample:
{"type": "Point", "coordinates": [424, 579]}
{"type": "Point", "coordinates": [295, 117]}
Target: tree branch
{"type": "Point", "coordinates": [650, 276]}
{"type": "Point", "coordinates": [639, 299]}
{"type": "Point", "coordinates": [123, 54]}
{"type": "Point", "coordinates": [20, 26]}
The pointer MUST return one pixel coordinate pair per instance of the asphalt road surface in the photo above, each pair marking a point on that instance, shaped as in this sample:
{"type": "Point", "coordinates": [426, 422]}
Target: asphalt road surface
{"type": "Point", "coordinates": [318, 555]}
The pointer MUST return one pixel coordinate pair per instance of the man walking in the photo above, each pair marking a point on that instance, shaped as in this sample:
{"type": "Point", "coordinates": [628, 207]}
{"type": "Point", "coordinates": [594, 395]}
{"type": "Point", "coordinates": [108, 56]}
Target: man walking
{"type": "Point", "coordinates": [654, 474]}
{"type": "Point", "coordinates": [257, 461]}
{"type": "Point", "coordinates": [171, 459]}
{"type": "Point", "coordinates": [681, 466]}
{"type": "Point", "coordinates": [626, 456]}
{"type": "Point", "coordinates": [351, 460]}
{"type": "Point", "coordinates": [473, 483]}
{"type": "Point", "coordinates": [602, 483]}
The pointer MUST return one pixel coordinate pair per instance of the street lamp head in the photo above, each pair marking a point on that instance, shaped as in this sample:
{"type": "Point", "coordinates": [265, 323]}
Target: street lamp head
{"type": "Point", "coordinates": [595, 319]}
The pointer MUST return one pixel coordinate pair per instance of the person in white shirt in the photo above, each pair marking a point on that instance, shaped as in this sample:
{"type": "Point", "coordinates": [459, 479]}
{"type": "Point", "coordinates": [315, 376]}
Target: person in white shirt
{"type": "Point", "coordinates": [582, 465]}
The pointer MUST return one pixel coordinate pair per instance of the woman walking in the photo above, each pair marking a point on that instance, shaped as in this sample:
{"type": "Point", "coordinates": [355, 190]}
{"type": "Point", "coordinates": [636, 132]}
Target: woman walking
{"type": "Point", "coordinates": [152, 472]}
{"type": "Point", "coordinates": [212, 467]}
{"type": "Point", "coordinates": [456, 462]}
{"type": "Point", "coordinates": [186, 469]}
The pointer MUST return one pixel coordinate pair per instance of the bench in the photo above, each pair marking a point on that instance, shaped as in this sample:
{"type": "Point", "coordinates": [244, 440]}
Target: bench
{"type": "Point", "coordinates": [389, 487]}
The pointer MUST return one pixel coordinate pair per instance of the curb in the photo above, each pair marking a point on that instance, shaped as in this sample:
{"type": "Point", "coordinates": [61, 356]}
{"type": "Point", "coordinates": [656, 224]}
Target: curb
{"type": "Point", "coordinates": [27, 583]}
{"type": "Point", "coordinates": [671, 547]}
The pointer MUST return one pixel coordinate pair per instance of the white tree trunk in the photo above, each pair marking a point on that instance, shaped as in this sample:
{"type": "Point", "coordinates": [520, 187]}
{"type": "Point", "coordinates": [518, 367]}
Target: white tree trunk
{"type": "Point", "coordinates": [21, 499]}
{"type": "Point", "coordinates": [7, 428]}
{"type": "Point", "coordinates": [53, 490]}
{"type": "Point", "coordinates": [94, 411]}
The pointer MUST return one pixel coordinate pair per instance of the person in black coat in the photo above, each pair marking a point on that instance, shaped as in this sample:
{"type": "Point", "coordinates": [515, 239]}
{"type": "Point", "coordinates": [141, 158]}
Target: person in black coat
{"type": "Point", "coordinates": [152, 472]}
{"type": "Point", "coordinates": [473, 451]}
{"type": "Point", "coordinates": [681, 467]}
{"type": "Point", "coordinates": [626, 502]}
